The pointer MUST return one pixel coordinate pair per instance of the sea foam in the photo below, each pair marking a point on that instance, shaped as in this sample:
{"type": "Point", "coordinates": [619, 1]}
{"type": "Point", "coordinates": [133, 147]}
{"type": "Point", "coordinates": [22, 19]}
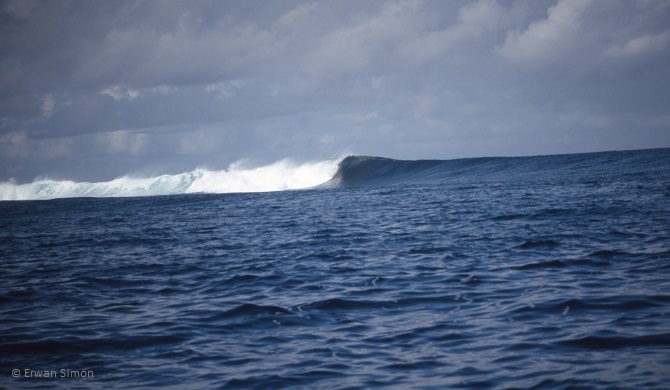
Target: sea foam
{"type": "Point", "coordinates": [279, 176]}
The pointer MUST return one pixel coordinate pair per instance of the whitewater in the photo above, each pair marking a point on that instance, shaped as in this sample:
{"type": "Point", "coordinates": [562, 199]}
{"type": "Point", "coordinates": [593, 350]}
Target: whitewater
{"type": "Point", "coordinates": [279, 176]}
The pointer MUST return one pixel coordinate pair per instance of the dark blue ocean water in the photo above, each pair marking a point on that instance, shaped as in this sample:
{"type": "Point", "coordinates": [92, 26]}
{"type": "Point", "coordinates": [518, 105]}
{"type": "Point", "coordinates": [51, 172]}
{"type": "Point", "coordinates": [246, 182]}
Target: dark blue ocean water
{"type": "Point", "coordinates": [535, 272]}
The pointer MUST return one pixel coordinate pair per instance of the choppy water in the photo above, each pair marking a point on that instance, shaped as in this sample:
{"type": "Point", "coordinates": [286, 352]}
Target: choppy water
{"type": "Point", "coordinates": [538, 272]}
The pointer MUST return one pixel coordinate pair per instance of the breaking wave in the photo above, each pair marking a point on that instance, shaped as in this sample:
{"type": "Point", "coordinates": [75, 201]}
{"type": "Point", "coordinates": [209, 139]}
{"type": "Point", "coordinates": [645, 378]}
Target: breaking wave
{"type": "Point", "coordinates": [354, 171]}
{"type": "Point", "coordinates": [281, 175]}
{"type": "Point", "coordinates": [359, 171]}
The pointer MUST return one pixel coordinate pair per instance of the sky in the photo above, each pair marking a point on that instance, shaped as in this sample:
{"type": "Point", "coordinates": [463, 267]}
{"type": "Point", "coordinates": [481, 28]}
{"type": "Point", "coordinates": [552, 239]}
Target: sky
{"type": "Point", "coordinates": [93, 90]}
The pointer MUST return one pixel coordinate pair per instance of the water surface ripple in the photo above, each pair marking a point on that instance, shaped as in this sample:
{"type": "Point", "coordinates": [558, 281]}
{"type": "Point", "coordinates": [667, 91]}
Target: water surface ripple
{"type": "Point", "coordinates": [531, 278]}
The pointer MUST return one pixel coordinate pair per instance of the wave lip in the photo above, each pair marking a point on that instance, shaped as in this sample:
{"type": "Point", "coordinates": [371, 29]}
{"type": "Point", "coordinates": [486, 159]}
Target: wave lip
{"type": "Point", "coordinates": [281, 175]}
{"type": "Point", "coordinates": [360, 170]}
{"type": "Point", "coordinates": [356, 171]}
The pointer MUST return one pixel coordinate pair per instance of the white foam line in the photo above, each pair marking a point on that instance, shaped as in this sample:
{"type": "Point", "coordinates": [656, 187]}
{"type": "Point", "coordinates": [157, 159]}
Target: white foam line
{"type": "Point", "coordinates": [279, 176]}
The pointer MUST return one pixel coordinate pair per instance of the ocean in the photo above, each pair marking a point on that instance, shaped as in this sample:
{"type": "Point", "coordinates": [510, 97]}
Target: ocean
{"type": "Point", "coordinates": [547, 272]}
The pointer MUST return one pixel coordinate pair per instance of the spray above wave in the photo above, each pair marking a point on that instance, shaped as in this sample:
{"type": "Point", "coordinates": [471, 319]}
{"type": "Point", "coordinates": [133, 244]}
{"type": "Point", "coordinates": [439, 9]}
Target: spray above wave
{"type": "Point", "coordinates": [282, 175]}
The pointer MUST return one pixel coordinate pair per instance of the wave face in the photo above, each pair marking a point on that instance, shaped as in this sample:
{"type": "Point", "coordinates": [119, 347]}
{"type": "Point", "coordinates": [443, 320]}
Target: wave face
{"type": "Point", "coordinates": [282, 175]}
{"type": "Point", "coordinates": [355, 171]}
{"type": "Point", "coordinates": [360, 170]}
{"type": "Point", "coordinates": [365, 170]}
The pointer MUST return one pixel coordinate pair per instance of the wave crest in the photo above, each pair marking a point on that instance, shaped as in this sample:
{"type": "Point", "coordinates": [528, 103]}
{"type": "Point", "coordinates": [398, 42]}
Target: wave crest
{"type": "Point", "coordinates": [281, 175]}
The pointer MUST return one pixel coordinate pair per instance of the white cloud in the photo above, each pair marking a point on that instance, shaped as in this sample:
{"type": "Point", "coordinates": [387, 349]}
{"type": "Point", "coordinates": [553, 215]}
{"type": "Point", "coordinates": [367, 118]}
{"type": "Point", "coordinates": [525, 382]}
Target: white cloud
{"type": "Point", "coordinates": [365, 45]}
{"type": "Point", "coordinates": [550, 38]}
{"type": "Point", "coordinates": [121, 92]}
{"type": "Point", "coordinates": [48, 105]}
{"type": "Point", "coordinates": [224, 89]}
{"type": "Point", "coordinates": [474, 21]}
{"type": "Point", "coordinates": [368, 116]}
{"type": "Point", "coordinates": [640, 45]}
{"type": "Point", "coordinates": [118, 92]}
{"type": "Point", "coordinates": [289, 19]}
{"type": "Point", "coordinates": [140, 56]}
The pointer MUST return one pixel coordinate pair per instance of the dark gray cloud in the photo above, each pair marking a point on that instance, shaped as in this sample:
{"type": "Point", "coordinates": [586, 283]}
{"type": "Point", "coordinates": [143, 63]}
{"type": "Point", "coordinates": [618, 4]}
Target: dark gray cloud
{"type": "Point", "coordinates": [93, 90]}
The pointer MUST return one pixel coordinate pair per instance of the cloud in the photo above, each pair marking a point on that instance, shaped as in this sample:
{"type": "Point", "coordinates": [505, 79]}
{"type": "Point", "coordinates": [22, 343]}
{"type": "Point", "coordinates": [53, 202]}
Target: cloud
{"type": "Point", "coordinates": [123, 142]}
{"type": "Point", "coordinates": [293, 17]}
{"type": "Point", "coordinates": [360, 47]}
{"type": "Point", "coordinates": [48, 105]}
{"type": "Point", "coordinates": [548, 39]}
{"type": "Point", "coordinates": [199, 142]}
{"type": "Point", "coordinates": [118, 92]}
{"type": "Point", "coordinates": [14, 144]}
{"type": "Point", "coordinates": [474, 21]}
{"type": "Point", "coordinates": [21, 9]}
{"type": "Point", "coordinates": [148, 58]}
{"type": "Point", "coordinates": [18, 146]}
{"type": "Point", "coordinates": [101, 89]}
{"type": "Point", "coordinates": [642, 45]}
